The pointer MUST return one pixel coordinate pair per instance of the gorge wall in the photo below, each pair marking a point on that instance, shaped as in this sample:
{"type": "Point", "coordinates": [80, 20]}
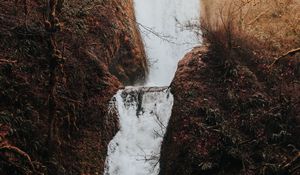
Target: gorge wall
{"type": "Point", "coordinates": [103, 51]}
{"type": "Point", "coordinates": [235, 112]}
{"type": "Point", "coordinates": [229, 124]}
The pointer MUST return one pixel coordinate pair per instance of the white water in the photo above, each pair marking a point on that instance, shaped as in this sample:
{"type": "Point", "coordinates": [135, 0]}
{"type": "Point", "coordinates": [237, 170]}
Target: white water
{"type": "Point", "coordinates": [144, 112]}
{"type": "Point", "coordinates": [166, 18]}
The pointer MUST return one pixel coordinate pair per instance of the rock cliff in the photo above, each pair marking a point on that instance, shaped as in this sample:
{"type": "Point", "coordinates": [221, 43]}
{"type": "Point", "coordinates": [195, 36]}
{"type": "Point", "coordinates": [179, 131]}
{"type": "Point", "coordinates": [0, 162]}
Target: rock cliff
{"type": "Point", "coordinates": [236, 120]}
{"type": "Point", "coordinates": [101, 49]}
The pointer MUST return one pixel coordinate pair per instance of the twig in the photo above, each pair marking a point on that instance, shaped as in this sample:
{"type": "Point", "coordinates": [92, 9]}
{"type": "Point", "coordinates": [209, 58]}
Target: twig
{"type": "Point", "coordinates": [3, 61]}
{"type": "Point", "coordinates": [289, 53]}
{"type": "Point", "coordinates": [258, 16]}
{"type": "Point", "coordinates": [77, 102]}
{"type": "Point", "coordinates": [158, 35]}
{"type": "Point", "coordinates": [18, 151]}
{"type": "Point", "coordinates": [162, 36]}
{"type": "Point", "coordinates": [293, 165]}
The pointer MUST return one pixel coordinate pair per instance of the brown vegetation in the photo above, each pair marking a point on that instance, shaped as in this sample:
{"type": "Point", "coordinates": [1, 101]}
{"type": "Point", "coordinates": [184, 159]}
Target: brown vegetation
{"type": "Point", "coordinates": [274, 22]}
{"type": "Point", "coordinates": [235, 112]}
{"type": "Point", "coordinates": [55, 84]}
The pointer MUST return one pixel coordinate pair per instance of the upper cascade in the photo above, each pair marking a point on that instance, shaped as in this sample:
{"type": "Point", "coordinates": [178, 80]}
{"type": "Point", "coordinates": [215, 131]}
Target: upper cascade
{"type": "Point", "coordinates": [166, 38]}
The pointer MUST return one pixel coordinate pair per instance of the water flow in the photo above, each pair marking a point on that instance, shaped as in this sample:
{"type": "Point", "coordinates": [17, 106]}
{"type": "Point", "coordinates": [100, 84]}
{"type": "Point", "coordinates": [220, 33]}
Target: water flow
{"type": "Point", "coordinates": [144, 112]}
{"type": "Point", "coordinates": [162, 24]}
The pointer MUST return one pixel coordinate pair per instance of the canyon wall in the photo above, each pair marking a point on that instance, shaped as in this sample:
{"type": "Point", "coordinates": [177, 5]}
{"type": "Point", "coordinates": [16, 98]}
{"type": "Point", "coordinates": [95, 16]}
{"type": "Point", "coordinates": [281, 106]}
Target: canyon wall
{"type": "Point", "coordinates": [103, 51]}
{"type": "Point", "coordinates": [242, 122]}
{"type": "Point", "coordinates": [236, 111]}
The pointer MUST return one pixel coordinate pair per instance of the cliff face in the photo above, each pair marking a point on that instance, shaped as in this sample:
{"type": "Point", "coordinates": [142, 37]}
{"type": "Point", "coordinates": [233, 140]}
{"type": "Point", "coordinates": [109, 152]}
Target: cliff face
{"type": "Point", "coordinates": [238, 120]}
{"type": "Point", "coordinates": [102, 50]}
{"type": "Point", "coordinates": [236, 110]}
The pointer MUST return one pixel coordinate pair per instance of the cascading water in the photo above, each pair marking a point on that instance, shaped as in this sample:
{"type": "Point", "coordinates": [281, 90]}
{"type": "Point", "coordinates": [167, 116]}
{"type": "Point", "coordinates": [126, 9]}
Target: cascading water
{"type": "Point", "coordinates": [162, 24]}
{"type": "Point", "coordinates": [143, 115]}
{"type": "Point", "coordinates": [144, 112]}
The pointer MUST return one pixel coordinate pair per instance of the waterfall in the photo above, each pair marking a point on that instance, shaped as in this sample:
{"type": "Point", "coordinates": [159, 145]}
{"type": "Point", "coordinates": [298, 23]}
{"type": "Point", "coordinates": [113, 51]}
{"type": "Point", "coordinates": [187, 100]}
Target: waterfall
{"type": "Point", "coordinates": [144, 112]}
{"type": "Point", "coordinates": [143, 115]}
{"type": "Point", "coordinates": [162, 24]}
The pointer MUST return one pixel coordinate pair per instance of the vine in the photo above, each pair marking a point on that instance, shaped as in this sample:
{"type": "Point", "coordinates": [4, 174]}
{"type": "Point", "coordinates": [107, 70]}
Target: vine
{"type": "Point", "coordinates": [56, 60]}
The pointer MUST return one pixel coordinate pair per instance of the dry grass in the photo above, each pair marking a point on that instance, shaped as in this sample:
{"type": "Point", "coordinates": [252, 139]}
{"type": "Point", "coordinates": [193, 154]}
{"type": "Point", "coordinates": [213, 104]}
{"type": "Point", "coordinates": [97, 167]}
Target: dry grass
{"type": "Point", "coordinates": [263, 35]}
{"type": "Point", "coordinates": [274, 22]}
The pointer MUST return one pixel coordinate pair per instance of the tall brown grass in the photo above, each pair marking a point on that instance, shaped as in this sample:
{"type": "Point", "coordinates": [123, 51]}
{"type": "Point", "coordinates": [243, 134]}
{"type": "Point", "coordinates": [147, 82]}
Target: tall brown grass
{"type": "Point", "coordinates": [275, 23]}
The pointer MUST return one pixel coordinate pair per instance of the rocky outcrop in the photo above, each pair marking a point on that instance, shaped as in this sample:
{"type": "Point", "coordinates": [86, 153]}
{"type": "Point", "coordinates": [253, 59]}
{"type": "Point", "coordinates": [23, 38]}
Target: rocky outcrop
{"type": "Point", "coordinates": [230, 120]}
{"type": "Point", "coordinates": [102, 50]}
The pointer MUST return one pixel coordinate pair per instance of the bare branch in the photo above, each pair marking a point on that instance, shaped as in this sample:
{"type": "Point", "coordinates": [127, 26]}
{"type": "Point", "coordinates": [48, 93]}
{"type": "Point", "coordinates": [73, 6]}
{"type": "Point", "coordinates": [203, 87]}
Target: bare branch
{"type": "Point", "coordinates": [289, 53]}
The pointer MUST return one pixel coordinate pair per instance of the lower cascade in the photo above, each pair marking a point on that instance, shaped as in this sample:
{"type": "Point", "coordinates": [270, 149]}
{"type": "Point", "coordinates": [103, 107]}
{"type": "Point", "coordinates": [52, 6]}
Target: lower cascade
{"type": "Point", "coordinates": [144, 113]}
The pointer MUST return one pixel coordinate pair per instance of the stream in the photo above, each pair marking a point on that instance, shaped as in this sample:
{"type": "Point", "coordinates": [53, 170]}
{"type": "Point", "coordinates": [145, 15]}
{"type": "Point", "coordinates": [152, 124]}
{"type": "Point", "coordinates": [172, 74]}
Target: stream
{"type": "Point", "coordinates": [144, 112]}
